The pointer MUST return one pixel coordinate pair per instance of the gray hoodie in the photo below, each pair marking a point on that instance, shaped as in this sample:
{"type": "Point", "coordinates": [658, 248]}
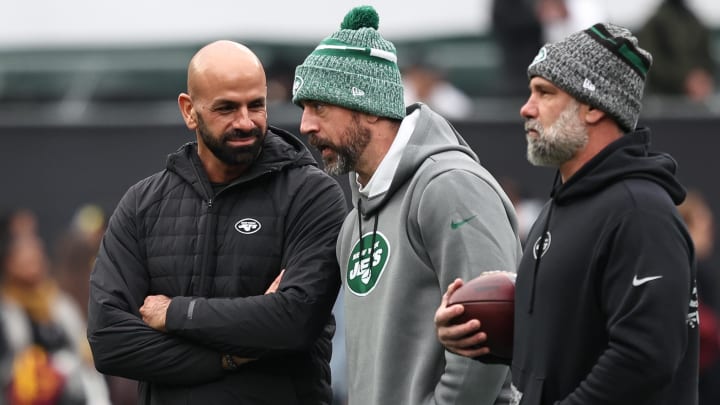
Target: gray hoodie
{"type": "Point", "coordinates": [442, 217]}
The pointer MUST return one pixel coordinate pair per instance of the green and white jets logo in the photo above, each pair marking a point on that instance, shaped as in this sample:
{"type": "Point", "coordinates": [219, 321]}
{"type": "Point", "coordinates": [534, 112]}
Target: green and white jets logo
{"type": "Point", "coordinates": [541, 56]}
{"type": "Point", "coordinates": [297, 84]}
{"type": "Point", "coordinates": [367, 261]}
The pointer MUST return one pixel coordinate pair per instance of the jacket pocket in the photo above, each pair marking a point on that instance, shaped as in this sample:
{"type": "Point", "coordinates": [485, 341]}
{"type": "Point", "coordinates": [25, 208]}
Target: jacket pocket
{"type": "Point", "coordinates": [527, 388]}
{"type": "Point", "coordinates": [533, 392]}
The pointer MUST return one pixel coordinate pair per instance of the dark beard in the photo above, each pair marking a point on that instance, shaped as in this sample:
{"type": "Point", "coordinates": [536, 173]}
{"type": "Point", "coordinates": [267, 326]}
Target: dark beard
{"type": "Point", "coordinates": [349, 153]}
{"type": "Point", "coordinates": [232, 156]}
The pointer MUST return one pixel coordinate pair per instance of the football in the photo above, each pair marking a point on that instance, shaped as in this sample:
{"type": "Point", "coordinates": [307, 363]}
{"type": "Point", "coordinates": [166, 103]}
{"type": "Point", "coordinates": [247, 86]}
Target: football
{"type": "Point", "coordinates": [490, 298]}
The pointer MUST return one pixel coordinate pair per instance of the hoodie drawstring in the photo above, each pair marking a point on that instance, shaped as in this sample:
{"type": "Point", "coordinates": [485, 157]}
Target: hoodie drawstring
{"type": "Point", "coordinates": [539, 253]}
{"type": "Point", "coordinates": [540, 249]}
{"type": "Point", "coordinates": [375, 226]}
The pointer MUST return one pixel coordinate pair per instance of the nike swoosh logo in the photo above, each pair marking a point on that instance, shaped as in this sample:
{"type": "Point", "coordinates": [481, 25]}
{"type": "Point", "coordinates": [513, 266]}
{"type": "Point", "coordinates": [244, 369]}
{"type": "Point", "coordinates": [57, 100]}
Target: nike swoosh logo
{"type": "Point", "coordinates": [640, 281]}
{"type": "Point", "coordinates": [456, 225]}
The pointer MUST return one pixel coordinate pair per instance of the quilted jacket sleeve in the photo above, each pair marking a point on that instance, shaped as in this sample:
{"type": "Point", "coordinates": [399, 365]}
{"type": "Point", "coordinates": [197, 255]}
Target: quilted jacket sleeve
{"type": "Point", "coordinates": [122, 344]}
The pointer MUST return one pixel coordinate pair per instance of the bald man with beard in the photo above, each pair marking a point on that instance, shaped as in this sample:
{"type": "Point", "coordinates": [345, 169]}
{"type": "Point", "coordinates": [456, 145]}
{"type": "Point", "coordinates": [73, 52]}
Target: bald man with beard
{"type": "Point", "coordinates": [216, 277]}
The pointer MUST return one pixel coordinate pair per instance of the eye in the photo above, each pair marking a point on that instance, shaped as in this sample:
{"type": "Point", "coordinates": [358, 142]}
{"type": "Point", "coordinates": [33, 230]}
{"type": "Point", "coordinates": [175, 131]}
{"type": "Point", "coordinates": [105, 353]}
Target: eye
{"type": "Point", "coordinates": [224, 108]}
{"type": "Point", "coordinates": [257, 105]}
{"type": "Point", "coordinates": [318, 106]}
{"type": "Point", "coordinates": [543, 92]}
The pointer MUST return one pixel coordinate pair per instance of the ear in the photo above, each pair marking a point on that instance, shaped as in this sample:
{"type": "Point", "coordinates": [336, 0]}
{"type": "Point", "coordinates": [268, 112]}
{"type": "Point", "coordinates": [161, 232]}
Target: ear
{"type": "Point", "coordinates": [186, 109]}
{"type": "Point", "coordinates": [592, 115]}
{"type": "Point", "coordinates": [370, 119]}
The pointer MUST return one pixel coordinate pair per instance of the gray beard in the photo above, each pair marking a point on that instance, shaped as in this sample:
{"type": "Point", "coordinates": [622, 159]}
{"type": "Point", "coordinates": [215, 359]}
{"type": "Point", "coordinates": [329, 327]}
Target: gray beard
{"type": "Point", "coordinates": [560, 142]}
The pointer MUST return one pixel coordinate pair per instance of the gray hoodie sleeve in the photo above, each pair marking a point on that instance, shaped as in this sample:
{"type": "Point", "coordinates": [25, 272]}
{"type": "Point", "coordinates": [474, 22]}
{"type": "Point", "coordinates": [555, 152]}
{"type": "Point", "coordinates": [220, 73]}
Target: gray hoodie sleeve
{"type": "Point", "coordinates": [468, 227]}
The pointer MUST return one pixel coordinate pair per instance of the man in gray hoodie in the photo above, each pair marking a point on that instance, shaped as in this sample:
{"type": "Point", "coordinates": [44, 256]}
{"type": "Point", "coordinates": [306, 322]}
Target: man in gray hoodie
{"type": "Point", "coordinates": [425, 213]}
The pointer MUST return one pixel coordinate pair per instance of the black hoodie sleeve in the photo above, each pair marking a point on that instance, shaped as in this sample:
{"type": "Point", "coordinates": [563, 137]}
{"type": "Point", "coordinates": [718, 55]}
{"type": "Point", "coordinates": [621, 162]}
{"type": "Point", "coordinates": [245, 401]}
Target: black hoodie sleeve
{"type": "Point", "coordinates": [646, 289]}
{"type": "Point", "coordinates": [293, 317]}
{"type": "Point", "coordinates": [122, 344]}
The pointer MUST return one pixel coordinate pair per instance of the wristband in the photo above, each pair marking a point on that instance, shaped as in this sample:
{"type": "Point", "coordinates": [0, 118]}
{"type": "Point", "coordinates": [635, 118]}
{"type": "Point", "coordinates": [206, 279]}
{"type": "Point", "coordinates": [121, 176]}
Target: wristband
{"type": "Point", "coordinates": [229, 363]}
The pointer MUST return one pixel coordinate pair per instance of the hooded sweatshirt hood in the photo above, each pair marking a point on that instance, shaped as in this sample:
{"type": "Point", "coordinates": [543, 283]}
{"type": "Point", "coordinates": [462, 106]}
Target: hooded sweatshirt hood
{"type": "Point", "coordinates": [280, 149]}
{"type": "Point", "coordinates": [628, 157]}
{"type": "Point", "coordinates": [432, 135]}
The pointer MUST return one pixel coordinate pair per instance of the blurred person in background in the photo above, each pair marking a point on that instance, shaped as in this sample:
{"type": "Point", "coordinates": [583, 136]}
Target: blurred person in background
{"type": "Point", "coordinates": [700, 222]}
{"type": "Point", "coordinates": [527, 209]}
{"type": "Point", "coordinates": [425, 212]}
{"type": "Point", "coordinates": [521, 27]}
{"type": "Point", "coordinates": [681, 46]}
{"type": "Point", "coordinates": [518, 33]}
{"type": "Point", "coordinates": [216, 277]}
{"type": "Point", "coordinates": [560, 18]}
{"type": "Point", "coordinates": [279, 80]}
{"type": "Point", "coordinates": [44, 329]}
{"type": "Point", "coordinates": [75, 251]}
{"type": "Point", "coordinates": [606, 304]}
{"type": "Point", "coordinates": [73, 260]}
{"type": "Point", "coordinates": [427, 84]}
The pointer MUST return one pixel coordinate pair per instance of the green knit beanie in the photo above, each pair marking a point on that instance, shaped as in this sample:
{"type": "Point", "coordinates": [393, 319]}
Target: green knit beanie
{"type": "Point", "coordinates": [355, 68]}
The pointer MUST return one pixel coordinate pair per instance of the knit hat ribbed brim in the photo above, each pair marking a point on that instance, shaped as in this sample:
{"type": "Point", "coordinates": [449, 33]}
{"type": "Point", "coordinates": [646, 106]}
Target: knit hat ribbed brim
{"type": "Point", "coordinates": [355, 68]}
{"type": "Point", "coordinates": [602, 66]}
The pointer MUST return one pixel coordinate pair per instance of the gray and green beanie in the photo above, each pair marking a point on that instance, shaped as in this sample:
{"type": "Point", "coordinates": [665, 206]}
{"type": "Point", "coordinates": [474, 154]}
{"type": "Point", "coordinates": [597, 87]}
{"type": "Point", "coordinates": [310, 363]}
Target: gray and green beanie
{"type": "Point", "coordinates": [355, 68]}
{"type": "Point", "coordinates": [602, 66]}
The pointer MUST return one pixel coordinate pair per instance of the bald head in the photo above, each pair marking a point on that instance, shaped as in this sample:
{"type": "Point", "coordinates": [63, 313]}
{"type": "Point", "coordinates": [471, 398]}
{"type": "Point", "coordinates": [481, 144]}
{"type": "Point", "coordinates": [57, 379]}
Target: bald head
{"type": "Point", "coordinates": [226, 106]}
{"type": "Point", "coordinates": [223, 62]}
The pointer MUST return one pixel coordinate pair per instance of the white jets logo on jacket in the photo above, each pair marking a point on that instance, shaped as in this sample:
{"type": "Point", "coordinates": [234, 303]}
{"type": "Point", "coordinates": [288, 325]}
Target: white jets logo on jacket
{"type": "Point", "coordinates": [247, 226]}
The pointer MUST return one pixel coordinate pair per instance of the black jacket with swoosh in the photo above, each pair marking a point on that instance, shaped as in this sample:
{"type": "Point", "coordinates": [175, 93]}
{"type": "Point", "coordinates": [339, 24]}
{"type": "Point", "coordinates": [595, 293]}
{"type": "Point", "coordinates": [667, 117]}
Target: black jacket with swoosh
{"type": "Point", "coordinates": [170, 235]}
{"type": "Point", "coordinates": [608, 313]}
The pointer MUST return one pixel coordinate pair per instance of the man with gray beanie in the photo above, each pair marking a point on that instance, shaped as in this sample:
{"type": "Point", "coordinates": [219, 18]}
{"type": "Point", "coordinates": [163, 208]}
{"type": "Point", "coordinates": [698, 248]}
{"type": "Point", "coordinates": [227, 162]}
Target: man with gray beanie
{"type": "Point", "coordinates": [425, 213]}
{"type": "Point", "coordinates": [606, 299]}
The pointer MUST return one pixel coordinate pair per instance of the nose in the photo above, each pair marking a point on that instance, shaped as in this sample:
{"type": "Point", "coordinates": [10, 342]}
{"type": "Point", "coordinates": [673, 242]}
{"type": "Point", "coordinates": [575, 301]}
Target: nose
{"type": "Point", "coordinates": [529, 109]}
{"type": "Point", "coordinates": [242, 120]}
{"type": "Point", "coordinates": [308, 124]}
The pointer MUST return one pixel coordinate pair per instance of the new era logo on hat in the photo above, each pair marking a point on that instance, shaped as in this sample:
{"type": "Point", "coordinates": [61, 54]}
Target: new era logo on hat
{"type": "Point", "coordinates": [357, 92]}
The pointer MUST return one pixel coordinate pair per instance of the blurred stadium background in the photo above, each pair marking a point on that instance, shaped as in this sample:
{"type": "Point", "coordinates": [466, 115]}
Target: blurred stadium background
{"type": "Point", "coordinates": [88, 88]}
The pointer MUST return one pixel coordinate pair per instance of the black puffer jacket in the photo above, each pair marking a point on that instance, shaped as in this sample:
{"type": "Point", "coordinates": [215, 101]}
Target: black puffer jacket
{"type": "Point", "coordinates": [216, 256]}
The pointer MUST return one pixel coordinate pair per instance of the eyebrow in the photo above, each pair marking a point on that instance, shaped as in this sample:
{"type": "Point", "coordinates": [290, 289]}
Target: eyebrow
{"type": "Point", "coordinates": [262, 100]}
{"type": "Point", "coordinates": [221, 101]}
{"type": "Point", "coordinates": [542, 86]}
